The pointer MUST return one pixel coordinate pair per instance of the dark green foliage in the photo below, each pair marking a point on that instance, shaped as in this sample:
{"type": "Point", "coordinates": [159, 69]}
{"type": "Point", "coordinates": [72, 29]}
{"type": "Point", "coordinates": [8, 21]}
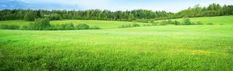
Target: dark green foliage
{"type": "Point", "coordinates": [145, 20]}
{"type": "Point", "coordinates": [199, 23]}
{"type": "Point", "coordinates": [154, 24]}
{"type": "Point", "coordinates": [187, 21]}
{"type": "Point", "coordinates": [68, 26]}
{"type": "Point", "coordinates": [135, 25]}
{"type": "Point", "coordinates": [71, 26]}
{"type": "Point", "coordinates": [13, 27]}
{"type": "Point", "coordinates": [125, 26]}
{"type": "Point", "coordinates": [176, 22]}
{"type": "Point", "coordinates": [138, 15]}
{"type": "Point", "coordinates": [169, 22]}
{"type": "Point", "coordinates": [40, 24]}
{"type": "Point", "coordinates": [54, 17]}
{"type": "Point", "coordinates": [24, 27]}
{"type": "Point", "coordinates": [210, 24]}
{"type": "Point", "coordinates": [129, 25]}
{"type": "Point", "coordinates": [82, 26]}
{"type": "Point", "coordinates": [211, 10]}
{"type": "Point", "coordinates": [164, 23]}
{"type": "Point", "coordinates": [30, 16]}
{"type": "Point", "coordinates": [94, 27]}
{"type": "Point", "coordinates": [43, 24]}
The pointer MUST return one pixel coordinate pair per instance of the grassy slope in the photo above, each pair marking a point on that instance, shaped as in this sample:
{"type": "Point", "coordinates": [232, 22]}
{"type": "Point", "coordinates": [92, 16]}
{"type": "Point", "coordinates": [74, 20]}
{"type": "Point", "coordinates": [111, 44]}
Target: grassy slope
{"type": "Point", "coordinates": [225, 20]}
{"type": "Point", "coordinates": [196, 47]}
{"type": "Point", "coordinates": [101, 24]}
{"type": "Point", "coordinates": [15, 22]}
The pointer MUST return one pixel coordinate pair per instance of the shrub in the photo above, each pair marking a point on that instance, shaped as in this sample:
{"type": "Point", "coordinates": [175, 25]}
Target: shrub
{"type": "Point", "coordinates": [40, 24]}
{"type": "Point", "coordinates": [143, 20]}
{"type": "Point", "coordinates": [82, 26]}
{"type": "Point", "coordinates": [94, 27]}
{"type": "Point", "coordinates": [135, 25]}
{"type": "Point", "coordinates": [148, 24]}
{"type": "Point", "coordinates": [125, 26]}
{"type": "Point", "coordinates": [4, 26]}
{"type": "Point", "coordinates": [163, 23]}
{"type": "Point", "coordinates": [130, 25]}
{"type": "Point", "coordinates": [176, 23]}
{"type": "Point", "coordinates": [199, 23]}
{"type": "Point", "coordinates": [68, 26]}
{"type": "Point", "coordinates": [24, 27]}
{"type": "Point", "coordinates": [155, 23]}
{"type": "Point", "coordinates": [210, 24]}
{"type": "Point", "coordinates": [187, 21]}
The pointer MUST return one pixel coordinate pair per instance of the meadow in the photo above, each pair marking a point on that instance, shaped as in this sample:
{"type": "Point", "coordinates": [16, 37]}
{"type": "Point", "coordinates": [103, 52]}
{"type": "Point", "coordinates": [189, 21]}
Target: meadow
{"type": "Point", "coordinates": [146, 48]}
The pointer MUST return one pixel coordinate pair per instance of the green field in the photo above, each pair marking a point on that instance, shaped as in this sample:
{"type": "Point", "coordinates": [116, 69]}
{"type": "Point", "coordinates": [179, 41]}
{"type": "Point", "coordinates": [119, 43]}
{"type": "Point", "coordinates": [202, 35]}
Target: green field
{"type": "Point", "coordinates": [163, 48]}
{"type": "Point", "coordinates": [220, 20]}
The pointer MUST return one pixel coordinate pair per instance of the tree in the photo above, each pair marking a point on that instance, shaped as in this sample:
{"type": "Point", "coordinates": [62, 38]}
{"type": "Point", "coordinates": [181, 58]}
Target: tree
{"type": "Point", "coordinates": [187, 21]}
{"type": "Point", "coordinates": [96, 14]}
{"type": "Point", "coordinates": [54, 17]}
{"type": "Point", "coordinates": [30, 16]}
{"type": "Point", "coordinates": [40, 24]}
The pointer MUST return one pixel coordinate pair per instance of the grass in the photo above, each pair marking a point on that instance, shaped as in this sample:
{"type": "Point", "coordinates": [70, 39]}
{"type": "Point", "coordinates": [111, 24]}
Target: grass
{"type": "Point", "coordinates": [218, 20]}
{"type": "Point", "coordinates": [182, 48]}
{"type": "Point", "coordinates": [15, 22]}
{"type": "Point", "coordinates": [99, 23]}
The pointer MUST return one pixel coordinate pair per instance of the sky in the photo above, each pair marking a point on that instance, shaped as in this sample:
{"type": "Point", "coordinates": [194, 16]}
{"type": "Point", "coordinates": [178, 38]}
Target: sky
{"type": "Point", "coordinates": [113, 5]}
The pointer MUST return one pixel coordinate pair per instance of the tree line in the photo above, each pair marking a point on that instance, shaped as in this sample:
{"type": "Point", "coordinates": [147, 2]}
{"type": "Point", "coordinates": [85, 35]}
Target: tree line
{"type": "Point", "coordinates": [196, 11]}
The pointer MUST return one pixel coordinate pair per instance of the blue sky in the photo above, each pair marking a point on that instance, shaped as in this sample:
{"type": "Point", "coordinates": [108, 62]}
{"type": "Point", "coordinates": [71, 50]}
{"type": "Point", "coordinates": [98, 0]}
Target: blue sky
{"type": "Point", "coordinates": [167, 5]}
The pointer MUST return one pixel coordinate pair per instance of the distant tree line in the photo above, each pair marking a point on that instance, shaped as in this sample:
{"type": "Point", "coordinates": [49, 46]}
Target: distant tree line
{"type": "Point", "coordinates": [211, 10]}
{"type": "Point", "coordinates": [197, 11]}
{"type": "Point", "coordinates": [31, 15]}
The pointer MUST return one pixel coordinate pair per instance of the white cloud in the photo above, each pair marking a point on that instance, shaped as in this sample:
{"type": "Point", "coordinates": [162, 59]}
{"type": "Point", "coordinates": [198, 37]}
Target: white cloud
{"type": "Point", "coordinates": [168, 5]}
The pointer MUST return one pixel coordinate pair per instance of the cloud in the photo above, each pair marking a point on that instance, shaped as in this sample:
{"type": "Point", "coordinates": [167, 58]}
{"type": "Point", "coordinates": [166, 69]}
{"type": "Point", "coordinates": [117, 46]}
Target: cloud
{"type": "Point", "coordinates": [168, 5]}
{"type": "Point", "coordinates": [11, 4]}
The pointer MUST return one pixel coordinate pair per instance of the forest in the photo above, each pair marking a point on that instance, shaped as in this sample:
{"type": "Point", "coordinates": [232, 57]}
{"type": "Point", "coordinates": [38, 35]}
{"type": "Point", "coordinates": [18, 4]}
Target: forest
{"type": "Point", "coordinates": [96, 14]}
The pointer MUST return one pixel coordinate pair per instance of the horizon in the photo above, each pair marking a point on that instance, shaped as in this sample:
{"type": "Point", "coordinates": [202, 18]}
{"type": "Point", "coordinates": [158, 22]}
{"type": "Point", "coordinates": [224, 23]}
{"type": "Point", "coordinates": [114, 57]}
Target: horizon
{"type": "Point", "coordinates": [112, 5]}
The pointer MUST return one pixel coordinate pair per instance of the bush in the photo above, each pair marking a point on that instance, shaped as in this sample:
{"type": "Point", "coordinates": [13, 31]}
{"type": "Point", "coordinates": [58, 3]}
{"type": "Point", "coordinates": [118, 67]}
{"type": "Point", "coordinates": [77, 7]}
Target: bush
{"type": "Point", "coordinates": [199, 23]}
{"type": "Point", "coordinates": [148, 24]}
{"type": "Point", "coordinates": [40, 24]}
{"type": "Point", "coordinates": [135, 25]}
{"type": "Point", "coordinates": [129, 25]}
{"type": "Point", "coordinates": [94, 27]}
{"type": "Point", "coordinates": [24, 27]}
{"type": "Point", "coordinates": [68, 26]}
{"type": "Point", "coordinates": [187, 21]}
{"type": "Point", "coordinates": [82, 26]}
{"type": "Point", "coordinates": [125, 26]}
{"type": "Point", "coordinates": [210, 24]}
{"type": "Point", "coordinates": [176, 23]}
{"type": "Point", "coordinates": [155, 23]}
{"type": "Point", "coordinates": [163, 23]}
{"type": "Point", "coordinates": [4, 26]}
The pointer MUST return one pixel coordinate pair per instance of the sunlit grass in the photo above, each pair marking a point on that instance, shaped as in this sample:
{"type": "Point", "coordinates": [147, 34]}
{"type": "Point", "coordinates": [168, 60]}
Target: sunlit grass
{"type": "Point", "coordinates": [197, 47]}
